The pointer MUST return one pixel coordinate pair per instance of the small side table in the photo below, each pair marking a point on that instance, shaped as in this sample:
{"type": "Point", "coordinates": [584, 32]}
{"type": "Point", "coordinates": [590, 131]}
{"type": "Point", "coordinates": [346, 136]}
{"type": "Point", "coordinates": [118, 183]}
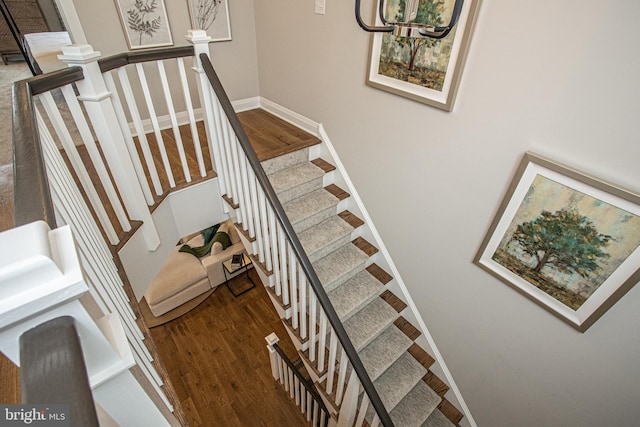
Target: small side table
{"type": "Point", "coordinates": [232, 272]}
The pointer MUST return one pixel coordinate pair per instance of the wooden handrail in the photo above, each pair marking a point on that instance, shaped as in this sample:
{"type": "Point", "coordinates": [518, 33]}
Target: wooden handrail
{"type": "Point", "coordinates": [32, 198]}
{"type": "Point", "coordinates": [296, 246]}
{"type": "Point", "coordinates": [53, 370]}
{"type": "Point", "coordinates": [121, 59]}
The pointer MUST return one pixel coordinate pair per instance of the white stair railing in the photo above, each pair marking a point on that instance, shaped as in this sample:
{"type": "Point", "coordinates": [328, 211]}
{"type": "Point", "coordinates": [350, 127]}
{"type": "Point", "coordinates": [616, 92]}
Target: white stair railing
{"type": "Point", "coordinates": [139, 82]}
{"type": "Point", "coordinates": [273, 242]}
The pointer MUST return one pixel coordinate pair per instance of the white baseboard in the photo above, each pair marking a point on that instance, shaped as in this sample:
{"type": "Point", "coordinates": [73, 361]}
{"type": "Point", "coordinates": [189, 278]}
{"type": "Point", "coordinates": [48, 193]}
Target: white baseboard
{"type": "Point", "coordinates": [292, 117]}
{"type": "Point", "coordinates": [246, 104]}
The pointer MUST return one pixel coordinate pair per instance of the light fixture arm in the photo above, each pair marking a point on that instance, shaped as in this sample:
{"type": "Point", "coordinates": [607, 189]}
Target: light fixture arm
{"type": "Point", "coordinates": [409, 29]}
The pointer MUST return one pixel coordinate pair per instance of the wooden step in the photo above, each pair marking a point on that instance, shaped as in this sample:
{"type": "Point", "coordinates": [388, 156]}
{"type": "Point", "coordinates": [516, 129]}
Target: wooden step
{"type": "Point", "coordinates": [351, 219]}
{"type": "Point", "coordinates": [393, 301]}
{"type": "Point", "coordinates": [436, 384]}
{"type": "Point", "coordinates": [229, 201]}
{"type": "Point", "coordinates": [337, 191]}
{"type": "Point", "coordinates": [323, 164]}
{"type": "Point", "coordinates": [378, 272]}
{"type": "Point", "coordinates": [421, 355]}
{"type": "Point", "coordinates": [244, 232]}
{"type": "Point", "coordinates": [407, 328]}
{"type": "Point", "coordinates": [450, 411]}
{"type": "Point", "coordinates": [366, 247]}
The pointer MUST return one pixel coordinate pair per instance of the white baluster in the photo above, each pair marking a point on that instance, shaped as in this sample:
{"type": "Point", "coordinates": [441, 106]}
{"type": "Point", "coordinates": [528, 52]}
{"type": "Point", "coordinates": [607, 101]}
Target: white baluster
{"type": "Point", "coordinates": [244, 166]}
{"type": "Point", "coordinates": [174, 120]}
{"type": "Point", "coordinates": [126, 133]}
{"type": "Point", "coordinates": [313, 318]}
{"type": "Point", "coordinates": [344, 362]}
{"type": "Point", "coordinates": [76, 162]}
{"type": "Point", "coordinates": [154, 123]}
{"type": "Point", "coordinates": [132, 106]}
{"type": "Point", "coordinates": [333, 346]}
{"type": "Point", "coordinates": [273, 226]}
{"type": "Point", "coordinates": [322, 345]}
{"type": "Point", "coordinates": [303, 305]}
{"type": "Point", "coordinates": [349, 405]}
{"type": "Point", "coordinates": [293, 265]}
{"type": "Point", "coordinates": [192, 119]}
{"type": "Point", "coordinates": [284, 276]}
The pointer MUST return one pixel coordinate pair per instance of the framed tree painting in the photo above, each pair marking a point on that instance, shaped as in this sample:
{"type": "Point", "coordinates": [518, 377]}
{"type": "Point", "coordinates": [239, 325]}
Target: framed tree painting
{"type": "Point", "coordinates": [211, 16]}
{"type": "Point", "coordinates": [145, 23]}
{"type": "Point", "coordinates": [568, 241]}
{"type": "Point", "coordinates": [423, 69]}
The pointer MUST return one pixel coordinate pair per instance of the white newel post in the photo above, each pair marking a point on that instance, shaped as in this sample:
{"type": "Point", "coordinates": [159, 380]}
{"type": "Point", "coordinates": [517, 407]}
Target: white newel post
{"type": "Point", "coordinates": [99, 106]}
{"type": "Point", "coordinates": [273, 339]}
{"type": "Point", "coordinates": [200, 41]}
{"type": "Point", "coordinates": [40, 280]}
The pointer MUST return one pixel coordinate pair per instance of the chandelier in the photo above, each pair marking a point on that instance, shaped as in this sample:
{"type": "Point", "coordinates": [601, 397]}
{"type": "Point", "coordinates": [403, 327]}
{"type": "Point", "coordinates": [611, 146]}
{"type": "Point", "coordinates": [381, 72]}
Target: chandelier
{"type": "Point", "coordinates": [409, 28]}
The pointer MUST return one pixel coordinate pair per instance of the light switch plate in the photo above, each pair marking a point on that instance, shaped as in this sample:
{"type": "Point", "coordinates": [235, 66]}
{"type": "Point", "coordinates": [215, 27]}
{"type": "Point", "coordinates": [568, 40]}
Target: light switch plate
{"type": "Point", "coordinates": [320, 7]}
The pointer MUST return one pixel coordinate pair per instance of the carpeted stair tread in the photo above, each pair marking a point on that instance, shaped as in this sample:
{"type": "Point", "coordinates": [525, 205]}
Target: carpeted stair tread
{"type": "Point", "coordinates": [325, 237]}
{"type": "Point", "coordinates": [397, 381]}
{"type": "Point", "coordinates": [416, 407]}
{"type": "Point", "coordinates": [339, 266]}
{"type": "Point", "coordinates": [285, 161]}
{"type": "Point", "coordinates": [310, 209]}
{"type": "Point", "coordinates": [437, 419]}
{"type": "Point", "coordinates": [296, 181]}
{"type": "Point", "coordinates": [360, 289]}
{"type": "Point", "coordinates": [364, 326]}
{"type": "Point", "coordinates": [378, 355]}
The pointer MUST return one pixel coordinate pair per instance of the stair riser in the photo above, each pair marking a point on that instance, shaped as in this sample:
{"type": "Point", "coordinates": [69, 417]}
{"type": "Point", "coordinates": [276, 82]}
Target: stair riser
{"type": "Point", "coordinates": [344, 277]}
{"type": "Point", "coordinates": [345, 316]}
{"type": "Point", "coordinates": [283, 162]}
{"type": "Point", "coordinates": [321, 253]}
{"type": "Point", "coordinates": [314, 219]}
{"type": "Point", "coordinates": [300, 190]}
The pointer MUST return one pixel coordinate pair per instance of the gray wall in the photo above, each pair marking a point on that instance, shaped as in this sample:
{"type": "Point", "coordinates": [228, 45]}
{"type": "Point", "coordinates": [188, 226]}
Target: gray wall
{"type": "Point", "coordinates": [539, 77]}
{"type": "Point", "coordinates": [235, 60]}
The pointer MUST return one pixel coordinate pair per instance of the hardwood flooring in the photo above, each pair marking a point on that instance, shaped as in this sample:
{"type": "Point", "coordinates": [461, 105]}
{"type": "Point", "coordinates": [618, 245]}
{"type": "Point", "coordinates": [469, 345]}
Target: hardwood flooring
{"type": "Point", "coordinates": [217, 360]}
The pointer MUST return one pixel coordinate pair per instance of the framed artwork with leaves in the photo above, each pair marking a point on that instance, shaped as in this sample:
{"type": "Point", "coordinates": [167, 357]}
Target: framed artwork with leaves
{"type": "Point", "coordinates": [566, 240]}
{"type": "Point", "coordinates": [145, 23]}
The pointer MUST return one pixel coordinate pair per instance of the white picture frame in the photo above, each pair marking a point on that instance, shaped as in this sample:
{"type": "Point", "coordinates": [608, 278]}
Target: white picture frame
{"type": "Point", "coordinates": [145, 23]}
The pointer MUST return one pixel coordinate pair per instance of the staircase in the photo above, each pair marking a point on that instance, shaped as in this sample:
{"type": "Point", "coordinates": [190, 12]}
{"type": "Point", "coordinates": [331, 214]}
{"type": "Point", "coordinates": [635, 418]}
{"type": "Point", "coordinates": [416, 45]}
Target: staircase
{"type": "Point", "coordinates": [372, 315]}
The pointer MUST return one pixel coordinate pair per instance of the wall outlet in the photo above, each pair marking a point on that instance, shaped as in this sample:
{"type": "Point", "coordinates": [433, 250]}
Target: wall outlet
{"type": "Point", "coordinates": [320, 7]}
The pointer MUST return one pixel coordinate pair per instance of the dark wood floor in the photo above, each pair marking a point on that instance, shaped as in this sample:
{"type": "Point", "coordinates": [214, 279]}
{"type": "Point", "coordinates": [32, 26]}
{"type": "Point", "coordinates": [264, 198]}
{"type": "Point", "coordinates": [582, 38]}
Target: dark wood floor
{"type": "Point", "coordinates": [216, 350]}
{"type": "Point", "coordinates": [218, 363]}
